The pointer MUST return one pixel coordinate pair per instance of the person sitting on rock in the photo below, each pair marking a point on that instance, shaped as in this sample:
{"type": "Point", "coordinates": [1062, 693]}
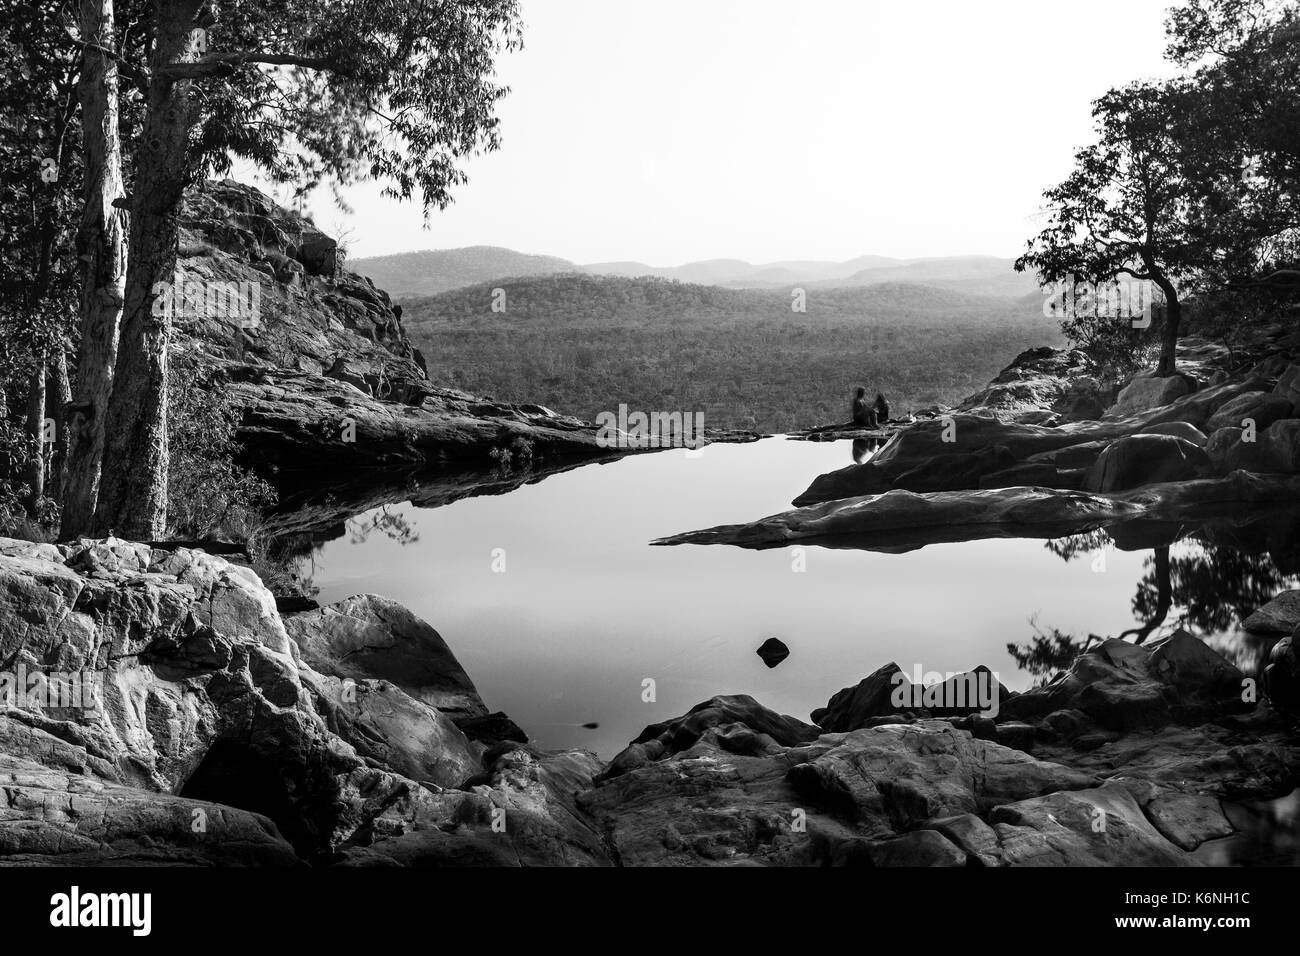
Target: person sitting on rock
{"type": "Point", "coordinates": [882, 409]}
{"type": "Point", "coordinates": [864, 413]}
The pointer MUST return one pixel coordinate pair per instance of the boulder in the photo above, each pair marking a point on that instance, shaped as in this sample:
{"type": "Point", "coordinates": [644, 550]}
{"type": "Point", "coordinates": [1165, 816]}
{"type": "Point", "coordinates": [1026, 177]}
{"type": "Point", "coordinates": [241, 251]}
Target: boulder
{"type": "Point", "coordinates": [1101, 826]}
{"type": "Point", "coordinates": [744, 723]}
{"type": "Point", "coordinates": [1184, 430]}
{"type": "Point", "coordinates": [1126, 687]}
{"type": "Point", "coordinates": [368, 636]}
{"type": "Point", "coordinates": [899, 775]}
{"type": "Point", "coordinates": [1146, 392]}
{"type": "Point", "coordinates": [1261, 407]}
{"type": "Point", "coordinates": [1280, 443]}
{"type": "Point", "coordinates": [1281, 615]}
{"type": "Point", "coordinates": [394, 730]}
{"type": "Point", "coordinates": [1282, 675]}
{"type": "Point", "coordinates": [522, 811]}
{"type": "Point", "coordinates": [1144, 460]}
{"type": "Point", "coordinates": [1288, 386]}
{"type": "Point", "coordinates": [1188, 819]}
{"type": "Point", "coordinates": [873, 696]}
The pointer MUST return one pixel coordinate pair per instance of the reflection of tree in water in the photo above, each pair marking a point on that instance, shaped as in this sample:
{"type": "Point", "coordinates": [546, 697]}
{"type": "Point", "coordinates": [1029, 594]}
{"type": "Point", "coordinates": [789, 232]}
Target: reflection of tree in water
{"type": "Point", "coordinates": [1214, 586]}
{"type": "Point", "coordinates": [393, 526]}
{"type": "Point", "coordinates": [1087, 542]}
{"type": "Point", "coordinates": [1048, 652]}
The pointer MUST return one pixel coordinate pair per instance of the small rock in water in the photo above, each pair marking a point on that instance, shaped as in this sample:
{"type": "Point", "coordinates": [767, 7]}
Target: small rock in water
{"type": "Point", "coordinates": [773, 652]}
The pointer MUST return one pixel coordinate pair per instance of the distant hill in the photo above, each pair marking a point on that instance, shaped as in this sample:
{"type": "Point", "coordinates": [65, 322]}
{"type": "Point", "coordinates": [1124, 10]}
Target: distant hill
{"type": "Point", "coordinates": [585, 343]}
{"type": "Point", "coordinates": [570, 299]}
{"type": "Point", "coordinates": [434, 271]}
{"type": "Point", "coordinates": [439, 270]}
{"type": "Point", "coordinates": [978, 275]}
{"type": "Point", "coordinates": [741, 274]}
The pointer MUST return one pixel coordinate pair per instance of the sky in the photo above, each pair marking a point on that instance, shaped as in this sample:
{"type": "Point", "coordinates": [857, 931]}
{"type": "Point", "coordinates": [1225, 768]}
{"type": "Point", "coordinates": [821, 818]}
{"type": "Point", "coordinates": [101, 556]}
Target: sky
{"type": "Point", "coordinates": [677, 130]}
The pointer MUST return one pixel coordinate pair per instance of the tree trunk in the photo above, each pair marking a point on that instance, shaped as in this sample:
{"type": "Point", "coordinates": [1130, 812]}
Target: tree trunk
{"type": "Point", "coordinates": [1169, 332]}
{"type": "Point", "coordinates": [34, 473]}
{"type": "Point", "coordinates": [133, 482]}
{"type": "Point", "coordinates": [58, 393]}
{"type": "Point", "coordinates": [102, 249]}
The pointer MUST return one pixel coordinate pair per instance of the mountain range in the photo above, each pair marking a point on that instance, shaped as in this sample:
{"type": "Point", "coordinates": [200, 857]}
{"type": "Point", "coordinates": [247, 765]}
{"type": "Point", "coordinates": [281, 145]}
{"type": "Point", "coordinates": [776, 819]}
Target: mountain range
{"type": "Point", "coordinates": [434, 271]}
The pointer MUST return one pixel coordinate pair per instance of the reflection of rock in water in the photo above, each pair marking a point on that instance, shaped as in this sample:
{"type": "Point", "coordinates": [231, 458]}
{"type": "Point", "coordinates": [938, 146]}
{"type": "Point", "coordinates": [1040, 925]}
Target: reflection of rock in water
{"type": "Point", "coordinates": [1268, 834]}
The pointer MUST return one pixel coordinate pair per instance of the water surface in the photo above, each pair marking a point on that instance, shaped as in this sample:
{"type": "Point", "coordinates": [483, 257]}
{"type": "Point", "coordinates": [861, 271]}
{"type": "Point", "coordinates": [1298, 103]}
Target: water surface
{"type": "Point", "coordinates": [560, 610]}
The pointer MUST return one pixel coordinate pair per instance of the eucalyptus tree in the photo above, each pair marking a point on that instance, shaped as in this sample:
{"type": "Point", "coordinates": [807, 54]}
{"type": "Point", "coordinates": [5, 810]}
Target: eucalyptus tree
{"type": "Point", "coordinates": [398, 91]}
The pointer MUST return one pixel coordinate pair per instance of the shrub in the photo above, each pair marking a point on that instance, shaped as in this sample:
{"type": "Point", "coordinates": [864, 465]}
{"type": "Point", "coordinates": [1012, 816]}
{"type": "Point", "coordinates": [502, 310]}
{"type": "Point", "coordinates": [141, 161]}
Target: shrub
{"type": "Point", "coordinates": [209, 494]}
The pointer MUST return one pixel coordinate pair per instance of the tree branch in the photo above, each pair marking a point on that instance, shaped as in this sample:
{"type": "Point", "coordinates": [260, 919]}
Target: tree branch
{"type": "Point", "coordinates": [216, 64]}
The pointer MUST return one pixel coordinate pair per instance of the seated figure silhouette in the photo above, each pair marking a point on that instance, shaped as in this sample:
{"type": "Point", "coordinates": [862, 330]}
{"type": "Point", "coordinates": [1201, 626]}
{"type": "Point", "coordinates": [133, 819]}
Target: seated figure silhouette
{"type": "Point", "coordinates": [882, 409]}
{"type": "Point", "coordinates": [864, 413]}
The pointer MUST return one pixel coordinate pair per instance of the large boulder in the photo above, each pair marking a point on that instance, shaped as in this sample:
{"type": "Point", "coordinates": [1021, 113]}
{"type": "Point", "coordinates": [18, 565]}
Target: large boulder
{"type": "Point", "coordinates": [1146, 392]}
{"type": "Point", "coordinates": [763, 729]}
{"type": "Point", "coordinates": [1271, 450]}
{"type": "Point", "coordinates": [1101, 826]}
{"type": "Point", "coordinates": [1144, 460]}
{"type": "Point", "coordinates": [852, 707]}
{"type": "Point", "coordinates": [1260, 407]}
{"type": "Point", "coordinates": [392, 729]}
{"type": "Point", "coordinates": [1125, 687]}
{"type": "Point", "coordinates": [1281, 615]}
{"type": "Point", "coordinates": [889, 692]}
{"type": "Point", "coordinates": [368, 636]}
{"type": "Point", "coordinates": [1288, 386]}
{"type": "Point", "coordinates": [1183, 430]}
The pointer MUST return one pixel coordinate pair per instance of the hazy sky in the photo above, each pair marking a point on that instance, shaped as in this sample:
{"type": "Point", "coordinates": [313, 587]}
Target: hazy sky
{"type": "Point", "coordinates": [675, 130]}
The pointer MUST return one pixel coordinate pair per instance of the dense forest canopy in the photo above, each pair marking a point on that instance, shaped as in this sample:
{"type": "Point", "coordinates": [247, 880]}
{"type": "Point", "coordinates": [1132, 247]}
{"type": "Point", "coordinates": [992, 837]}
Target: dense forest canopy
{"type": "Point", "coordinates": [584, 344]}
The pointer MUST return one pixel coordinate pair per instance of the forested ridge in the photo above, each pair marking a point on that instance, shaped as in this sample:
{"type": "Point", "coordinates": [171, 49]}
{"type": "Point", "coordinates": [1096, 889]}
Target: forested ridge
{"type": "Point", "coordinates": [583, 344]}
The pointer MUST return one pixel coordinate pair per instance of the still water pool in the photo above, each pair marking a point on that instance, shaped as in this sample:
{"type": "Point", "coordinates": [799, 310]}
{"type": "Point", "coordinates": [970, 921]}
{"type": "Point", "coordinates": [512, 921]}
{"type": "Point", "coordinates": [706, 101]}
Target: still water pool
{"type": "Point", "coordinates": [560, 610]}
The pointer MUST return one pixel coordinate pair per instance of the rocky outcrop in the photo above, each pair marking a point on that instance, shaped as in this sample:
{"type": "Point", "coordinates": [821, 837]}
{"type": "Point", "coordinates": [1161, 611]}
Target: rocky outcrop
{"type": "Point", "coordinates": [205, 709]}
{"type": "Point", "coordinates": [1147, 392]}
{"type": "Point", "coordinates": [315, 359]}
{"type": "Point", "coordinates": [900, 519]}
{"type": "Point", "coordinates": [226, 735]}
{"type": "Point", "coordinates": [55, 816]}
{"type": "Point", "coordinates": [1043, 385]}
{"type": "Point", "coordinates": [1146, 459]}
